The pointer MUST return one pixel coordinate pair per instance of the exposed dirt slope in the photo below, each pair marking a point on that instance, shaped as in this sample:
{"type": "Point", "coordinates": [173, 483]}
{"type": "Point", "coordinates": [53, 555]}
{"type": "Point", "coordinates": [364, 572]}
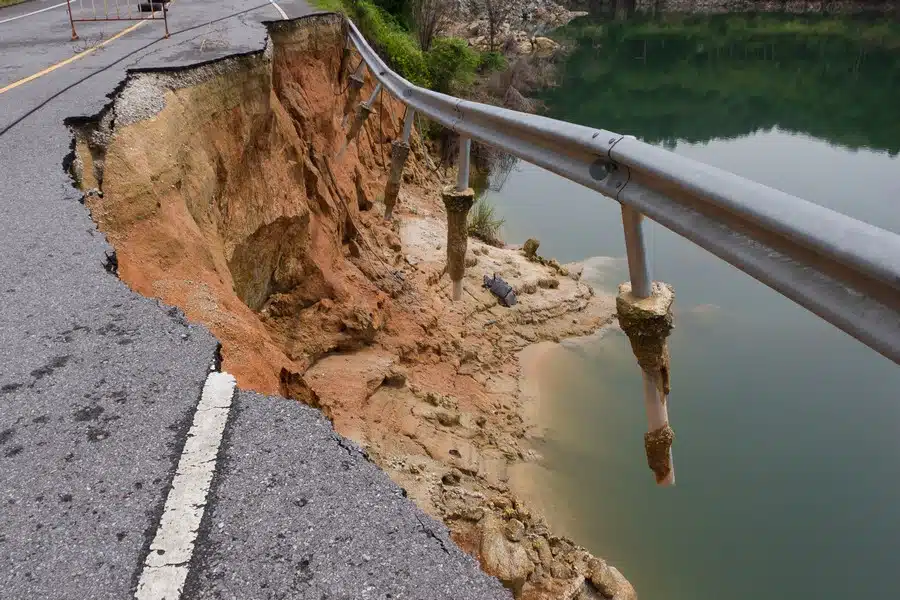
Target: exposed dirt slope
{"type": "Point", "coordinates": [219, 190]}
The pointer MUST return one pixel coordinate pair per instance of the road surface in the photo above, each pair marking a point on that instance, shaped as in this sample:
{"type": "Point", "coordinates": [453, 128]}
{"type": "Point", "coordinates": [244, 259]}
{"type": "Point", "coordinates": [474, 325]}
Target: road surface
{"type": "Point", "coordinates": [100, 386]}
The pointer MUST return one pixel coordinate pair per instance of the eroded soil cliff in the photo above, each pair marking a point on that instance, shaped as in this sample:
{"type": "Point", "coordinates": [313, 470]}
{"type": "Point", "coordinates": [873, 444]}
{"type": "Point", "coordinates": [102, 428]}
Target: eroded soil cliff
{"type": "Point", "coordinates": [219, 189]}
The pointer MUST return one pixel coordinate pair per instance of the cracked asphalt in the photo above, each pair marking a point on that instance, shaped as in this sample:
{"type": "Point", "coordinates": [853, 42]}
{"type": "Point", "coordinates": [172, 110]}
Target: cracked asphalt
{"type": "Point", "coordinates": [98, 385]}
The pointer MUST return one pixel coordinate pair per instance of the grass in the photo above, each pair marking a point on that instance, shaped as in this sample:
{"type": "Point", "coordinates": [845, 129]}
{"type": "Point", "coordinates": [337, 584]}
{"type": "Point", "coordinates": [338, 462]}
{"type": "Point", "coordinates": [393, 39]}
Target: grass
{"type": "Point", "coordinates": [10, 2]}
{"type": "Point", "coordinates": [484, 223]}
{"type": "Point", "coordinates": [330, 5]}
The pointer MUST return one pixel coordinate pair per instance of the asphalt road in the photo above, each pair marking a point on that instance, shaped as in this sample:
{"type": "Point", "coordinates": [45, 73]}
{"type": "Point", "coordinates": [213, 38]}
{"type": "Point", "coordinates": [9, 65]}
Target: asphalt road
{"type": "Point", "coordinates": [99, 386]}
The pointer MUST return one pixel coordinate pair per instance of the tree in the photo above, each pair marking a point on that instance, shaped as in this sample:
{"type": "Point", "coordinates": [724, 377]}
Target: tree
{"type": "Point", "coordinates": [430, 18]}
{"type": "Point", "coordinates": [495, 12]}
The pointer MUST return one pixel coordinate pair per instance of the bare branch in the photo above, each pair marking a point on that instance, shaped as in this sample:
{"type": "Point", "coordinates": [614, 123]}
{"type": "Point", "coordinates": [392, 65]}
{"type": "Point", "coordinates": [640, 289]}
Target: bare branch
{"type": "Point", "coordinates": [430, 18]}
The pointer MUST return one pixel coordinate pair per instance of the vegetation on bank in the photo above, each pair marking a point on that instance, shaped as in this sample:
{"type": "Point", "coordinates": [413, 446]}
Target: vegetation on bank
{"type": "Point", "coordinates": [699, 78]}
{"type": "Point", "coordinates": [10, 2]}
{"type": "Point", "coordinates": [721, 31]}
{"type": "Point", "coordinates": [448, 65]}
{"type": "Point", "coordinates": [484, 224]}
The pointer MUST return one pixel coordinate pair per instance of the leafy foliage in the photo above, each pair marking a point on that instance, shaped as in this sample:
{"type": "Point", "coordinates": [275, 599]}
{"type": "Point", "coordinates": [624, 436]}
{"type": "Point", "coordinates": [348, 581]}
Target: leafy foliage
{"type": "Point", "coordinates": [483, 222]}
{"type": "Point", "coordinates": [395, 43]}
{"type": "Point", "coordinates": [451, 64]}
{"type": "Point", "coordinates": [492, 61]}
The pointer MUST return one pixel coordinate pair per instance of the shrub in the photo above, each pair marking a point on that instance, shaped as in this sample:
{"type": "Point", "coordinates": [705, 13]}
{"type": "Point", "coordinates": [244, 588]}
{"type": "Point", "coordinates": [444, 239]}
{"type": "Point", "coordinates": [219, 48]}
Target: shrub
{"type": "Point", "coordinates": [394, 42]}
{"type": "Point", "coordinates": [492, 61]}
{"type": "Point", "coordinates": [451, 64]}
{"type": "Point", "coordinates": [484, 224]}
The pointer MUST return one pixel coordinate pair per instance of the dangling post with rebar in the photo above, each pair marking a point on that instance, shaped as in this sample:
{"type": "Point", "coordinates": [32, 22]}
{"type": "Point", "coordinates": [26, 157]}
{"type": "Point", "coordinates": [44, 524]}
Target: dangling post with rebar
{"type": "Point", "coordinates": [362, 115]}
{"type": "Point", "coordinates": [399, 154]}
{"type": "Point", "coordinates": [644, 309]}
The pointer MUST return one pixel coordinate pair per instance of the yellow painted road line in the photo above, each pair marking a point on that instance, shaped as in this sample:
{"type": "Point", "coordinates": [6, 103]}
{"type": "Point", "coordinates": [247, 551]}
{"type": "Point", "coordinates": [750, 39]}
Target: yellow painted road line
{"type": "Point", "coordinates": [76, 57]}
{"type": "Point", "coordinates": [70, 60]}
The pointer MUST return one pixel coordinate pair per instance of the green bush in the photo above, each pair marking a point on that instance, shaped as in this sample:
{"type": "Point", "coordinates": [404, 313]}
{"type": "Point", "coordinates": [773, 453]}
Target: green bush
{"type": "Point", "coordinates": [484, 224]}
{"type": "Point", "coordinates": [398, 48]}
{"type": "Point", "coordinates": [451, 64]}
{"type": "Point", "coordinates": [492, 61]}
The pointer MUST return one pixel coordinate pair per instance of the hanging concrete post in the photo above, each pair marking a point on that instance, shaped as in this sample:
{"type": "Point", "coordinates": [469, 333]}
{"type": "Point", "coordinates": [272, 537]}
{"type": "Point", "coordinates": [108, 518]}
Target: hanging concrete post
{"type": "Point", "coordinates": [399, 154]}
{"type": "Point", "coordinates": [354, 87]}
{"type": "Point", "coordinates": [645, 315]}
{"type": "Point", "coordinates": [362, 114]}
{"type": "Point", "coordinates": [458, 200]}
{"type": "Point", "coordinates": [345, 54]}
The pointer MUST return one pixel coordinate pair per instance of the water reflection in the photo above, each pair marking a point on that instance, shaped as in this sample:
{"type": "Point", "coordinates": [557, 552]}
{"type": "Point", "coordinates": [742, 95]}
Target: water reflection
{"type": "Point", "coordinates": [786, 427]}
{"type": "Point", "coordinates": [695, 80]}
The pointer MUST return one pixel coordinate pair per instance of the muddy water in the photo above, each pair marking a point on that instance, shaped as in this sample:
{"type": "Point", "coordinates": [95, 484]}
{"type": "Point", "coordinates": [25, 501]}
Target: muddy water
{"type": "Point", "coordinates": [787, 430]}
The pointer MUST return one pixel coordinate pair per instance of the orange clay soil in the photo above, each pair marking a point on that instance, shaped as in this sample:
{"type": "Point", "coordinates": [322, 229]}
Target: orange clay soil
{"type": "Point", "coordinates": [219, 189]}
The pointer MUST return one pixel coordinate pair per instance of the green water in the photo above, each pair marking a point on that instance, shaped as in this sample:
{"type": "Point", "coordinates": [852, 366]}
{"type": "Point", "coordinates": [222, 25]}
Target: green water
{"type": "Point", "coordinates": [788, 431]}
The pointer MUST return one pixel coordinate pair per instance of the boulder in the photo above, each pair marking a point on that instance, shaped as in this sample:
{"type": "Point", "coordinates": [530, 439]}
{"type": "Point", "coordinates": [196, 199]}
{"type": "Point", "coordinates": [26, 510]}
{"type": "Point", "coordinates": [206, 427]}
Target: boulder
{"type": "Point", "coordinates": [507, 561]}
{"type": "Point", "coordinates": [610, 582]}
{"type": "Point", "coordinates": [514, 530]}
{"type": "Point", "coordinates": [549, 283]}
{"type": "Point", "coordinates": [544, 46]}
{"type": "Point", "coordinates": [530, 248]}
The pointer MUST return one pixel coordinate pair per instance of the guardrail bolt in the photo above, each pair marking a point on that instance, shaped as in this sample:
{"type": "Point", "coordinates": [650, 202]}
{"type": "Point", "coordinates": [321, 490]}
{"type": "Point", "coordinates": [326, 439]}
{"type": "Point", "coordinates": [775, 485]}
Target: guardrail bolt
{"type": "Point", "coordinates": [399, 154]}
{"type": "Point", "coordinates": [647, 321]}
{"type": "Point", "coordinates": [457, 202]}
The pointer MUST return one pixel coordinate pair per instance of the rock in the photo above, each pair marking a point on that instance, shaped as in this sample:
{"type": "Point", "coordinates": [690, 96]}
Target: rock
{"type": "Point", "coordinates": [447, 418]}
{"type": "Point", "coordinates": [362, 200]}
{"type": "Point", "coordinates": [548, 283]}
{"type": "Point", "coordinates": [451, 477]}
{"type": "Point", "coordinates": [505, 560]}
{"type": "Point", "coordinates": [395, 378]}
{"type": "Point", "coordinates": [471, 261]}
{"type": "Point", "coordinates": [543, 551]}
{"type": "Point", "coordinates": [353, 247]}
{"type": "Point", "coordinates": [560, 570]}
{"type": "Point", "coordinates": [544, 46]}
{"type": "Point", "coordinates": [530, 248]}
{"type": "Point", "coordinates": [610, 582]}
{"type": "Point", "coordinates": [560, 546]}
{"type": "Point", "coordinates": [393, 242]}
{"type": "Point", "coordinates": [537, 576]}
{"type": "Point", "coordinates": [514, 100]}
{"type": "Point", "coordinates": [514, 530]}
{"type": "Point", "coordinates": [529, 287]}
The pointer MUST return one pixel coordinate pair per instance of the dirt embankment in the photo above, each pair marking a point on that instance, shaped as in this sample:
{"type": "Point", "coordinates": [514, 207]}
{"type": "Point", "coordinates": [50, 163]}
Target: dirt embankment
{"type": "Point", "coordinates": [219, 188]}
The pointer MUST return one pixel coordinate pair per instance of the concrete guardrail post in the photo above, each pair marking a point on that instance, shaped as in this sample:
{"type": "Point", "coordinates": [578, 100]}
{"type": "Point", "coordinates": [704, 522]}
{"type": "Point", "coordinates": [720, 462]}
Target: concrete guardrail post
{"type": "Point", "coordinates": [644, 309]}
{"type": "Point", "coordinates": [399, 154]}
{"type": "Point", "coordinates": [362, 115]}
{"type": "Point", "coordinates": [354, 87]}
{"type": "Point", "coordinates": [458, 200]}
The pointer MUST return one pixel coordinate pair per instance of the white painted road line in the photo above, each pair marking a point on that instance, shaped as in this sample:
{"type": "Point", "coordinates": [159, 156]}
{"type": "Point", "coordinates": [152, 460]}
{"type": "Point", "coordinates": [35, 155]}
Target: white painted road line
{"type": "Point", "coordinates": [34, 12]}
{"type": "Point", "coordinates": [283, 14]}
{"type": "Point", "coordinates": [166, 567]}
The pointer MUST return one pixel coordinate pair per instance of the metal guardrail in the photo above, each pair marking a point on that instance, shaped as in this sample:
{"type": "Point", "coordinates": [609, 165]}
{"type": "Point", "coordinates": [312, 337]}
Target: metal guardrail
{"type": "Point", "coordinates": [843, 270]}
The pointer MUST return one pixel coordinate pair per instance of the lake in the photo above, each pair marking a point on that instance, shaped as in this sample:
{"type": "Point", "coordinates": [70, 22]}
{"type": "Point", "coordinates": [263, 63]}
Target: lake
{"type": "Point", "coordinates": [787, 430]}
